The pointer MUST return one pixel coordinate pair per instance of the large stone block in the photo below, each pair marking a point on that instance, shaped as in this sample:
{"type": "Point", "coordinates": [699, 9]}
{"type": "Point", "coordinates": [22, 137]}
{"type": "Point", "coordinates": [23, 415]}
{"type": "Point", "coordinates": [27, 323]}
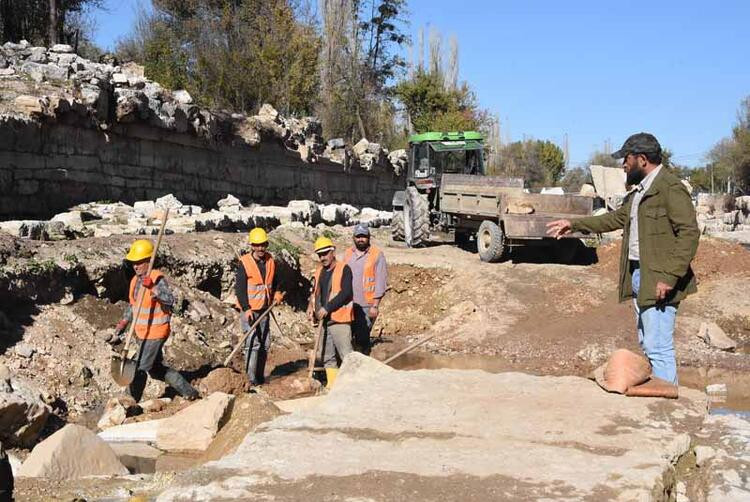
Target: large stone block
{"type": "Point", "coordinates": [70, 453]}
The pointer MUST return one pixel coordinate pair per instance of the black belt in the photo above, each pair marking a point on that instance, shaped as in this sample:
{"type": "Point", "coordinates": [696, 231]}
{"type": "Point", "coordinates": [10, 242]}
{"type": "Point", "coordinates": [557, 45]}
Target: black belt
{"type": "Point", "coordinates": [634, 265]}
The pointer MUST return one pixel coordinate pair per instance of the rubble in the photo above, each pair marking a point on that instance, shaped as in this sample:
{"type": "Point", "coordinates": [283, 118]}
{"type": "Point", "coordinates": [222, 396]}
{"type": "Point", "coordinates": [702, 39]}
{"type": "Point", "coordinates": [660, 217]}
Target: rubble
{"type": "Point", "coordinates": [107, 219]}
{"type": "Point", "coordinates": [23, 412]}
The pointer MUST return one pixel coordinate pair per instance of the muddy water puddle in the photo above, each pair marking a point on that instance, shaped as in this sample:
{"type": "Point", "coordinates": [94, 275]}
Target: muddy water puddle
{"type": "Point", "coordinates": [140, 458]}
{"type": "Point", "coordinates": [736, 399]}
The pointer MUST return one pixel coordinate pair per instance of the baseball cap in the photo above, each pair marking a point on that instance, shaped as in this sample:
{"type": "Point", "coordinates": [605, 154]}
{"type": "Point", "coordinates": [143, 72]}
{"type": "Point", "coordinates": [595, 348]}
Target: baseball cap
{"type": "Point", "coordinates": [361, 229]}
{"type": "Point", "coordinates": [642, 142]}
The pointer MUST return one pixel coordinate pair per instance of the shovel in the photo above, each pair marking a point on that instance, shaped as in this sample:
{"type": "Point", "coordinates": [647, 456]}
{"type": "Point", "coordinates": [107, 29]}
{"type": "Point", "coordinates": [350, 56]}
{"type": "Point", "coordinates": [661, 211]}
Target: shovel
{"type": "Point", "coordinates": [123, 369]}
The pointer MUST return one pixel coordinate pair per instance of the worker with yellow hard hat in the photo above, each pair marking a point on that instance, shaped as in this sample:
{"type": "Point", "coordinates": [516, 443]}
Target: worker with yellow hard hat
{"type": "Point", "coordinates": [331, 304]}
{"type": "Point", "coordinates": [152, 327]}
{"type": "Point", "coordinates": [256, 287]}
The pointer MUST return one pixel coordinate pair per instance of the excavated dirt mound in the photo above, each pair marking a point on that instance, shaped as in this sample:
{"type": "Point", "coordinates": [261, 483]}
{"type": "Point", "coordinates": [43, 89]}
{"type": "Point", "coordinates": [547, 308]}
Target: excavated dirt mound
{"type": "Point", "coordinates": [224, 380]}
{"type": "Point", "coordinates": [715, 259]}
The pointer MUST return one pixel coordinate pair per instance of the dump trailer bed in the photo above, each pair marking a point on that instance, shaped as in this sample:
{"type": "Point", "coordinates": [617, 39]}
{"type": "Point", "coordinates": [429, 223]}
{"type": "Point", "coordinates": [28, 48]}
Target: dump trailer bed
{"type": "Point", "coordinates": [501, 215]}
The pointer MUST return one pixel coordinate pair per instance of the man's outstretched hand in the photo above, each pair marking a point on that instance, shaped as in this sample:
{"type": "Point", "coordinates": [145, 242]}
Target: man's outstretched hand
{"type": "Point", "coordinates": [558, 228]}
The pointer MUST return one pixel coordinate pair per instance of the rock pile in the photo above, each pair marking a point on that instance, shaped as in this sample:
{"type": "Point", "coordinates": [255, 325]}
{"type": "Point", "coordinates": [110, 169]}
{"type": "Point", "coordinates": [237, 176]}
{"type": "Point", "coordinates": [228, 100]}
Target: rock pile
{"type": "Point", "coordinates": [107, 93]}
{"type": "Point", "coordinates": [98, 219]}
{"type": "Point", "coordinates": [723, 213]}
{"type": "Point", "coordinates": [23, 411]}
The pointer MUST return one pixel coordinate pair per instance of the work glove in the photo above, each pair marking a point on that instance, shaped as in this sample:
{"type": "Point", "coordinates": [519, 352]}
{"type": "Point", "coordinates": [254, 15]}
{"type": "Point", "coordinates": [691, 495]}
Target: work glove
{"type": "Point", "coordinates": [148, 282]}
{"type": "Point", "coordinates": [278, 297]}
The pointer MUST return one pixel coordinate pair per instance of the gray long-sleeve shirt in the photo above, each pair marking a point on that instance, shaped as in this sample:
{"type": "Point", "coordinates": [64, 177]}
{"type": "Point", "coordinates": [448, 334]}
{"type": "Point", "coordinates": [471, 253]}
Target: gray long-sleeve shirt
{"type": "Point", "coordinates": [357, 264]}
{"type": "Point", "coordinates": [162, 292]}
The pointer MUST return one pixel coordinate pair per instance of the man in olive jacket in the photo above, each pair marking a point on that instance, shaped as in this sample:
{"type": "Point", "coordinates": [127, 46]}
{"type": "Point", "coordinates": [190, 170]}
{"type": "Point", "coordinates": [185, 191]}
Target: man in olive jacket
{"type": "Point", "coordinates": [660, 237]}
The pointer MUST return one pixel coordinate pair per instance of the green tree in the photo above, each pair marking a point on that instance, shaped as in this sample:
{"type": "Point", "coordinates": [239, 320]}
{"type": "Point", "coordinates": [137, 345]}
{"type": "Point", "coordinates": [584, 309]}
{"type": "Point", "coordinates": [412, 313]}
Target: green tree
{"type": "Point", "coordinates": [234, 54]}
{"type": "Point", "coordinates": [433, 107]}
{"type": "Point", "coordinates": [573, 179]}
{"type": "Point", "coordinates": [539, 163]}
{"type": "Point", "coordinates": [46, 22]}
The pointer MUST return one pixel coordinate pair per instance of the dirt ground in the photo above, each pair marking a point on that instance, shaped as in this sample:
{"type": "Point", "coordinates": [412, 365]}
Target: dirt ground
{"type": "Point", "coordinates": [524, 314]}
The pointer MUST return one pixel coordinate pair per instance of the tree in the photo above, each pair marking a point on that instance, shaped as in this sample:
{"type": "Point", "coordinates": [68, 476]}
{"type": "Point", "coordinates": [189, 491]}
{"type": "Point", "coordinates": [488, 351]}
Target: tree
{"type": "Point", "coordinates": [234, 54]}
{"type": "Point", "coordinates": [539, 163]}
{"type": "Point", "coordinates": [599, 158]}
{"type": "Point", "coordinates": [44, 22]}
{"type": "Point", "coordinates": [574, 179]}
{"type": "Point", "coordinates": [729, 160]}
{"type": "Point", "coordinates": [360, 57]}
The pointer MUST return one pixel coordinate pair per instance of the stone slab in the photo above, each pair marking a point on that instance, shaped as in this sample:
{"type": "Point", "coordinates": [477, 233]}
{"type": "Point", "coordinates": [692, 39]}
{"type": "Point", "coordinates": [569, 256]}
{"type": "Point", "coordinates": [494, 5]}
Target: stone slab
{"type": "Point", "coordinates": [524, 436]}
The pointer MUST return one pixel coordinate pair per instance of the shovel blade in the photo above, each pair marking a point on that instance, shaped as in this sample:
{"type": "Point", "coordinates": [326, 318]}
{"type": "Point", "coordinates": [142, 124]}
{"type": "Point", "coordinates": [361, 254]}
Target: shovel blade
{"type": "Point", "coordinates": [123, 370]}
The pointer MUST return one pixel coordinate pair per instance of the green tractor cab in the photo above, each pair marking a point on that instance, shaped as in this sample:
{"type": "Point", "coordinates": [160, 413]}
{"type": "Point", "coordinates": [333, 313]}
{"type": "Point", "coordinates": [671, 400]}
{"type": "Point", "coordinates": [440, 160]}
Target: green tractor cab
{"type": "Point", "coordinates": [431, 155]}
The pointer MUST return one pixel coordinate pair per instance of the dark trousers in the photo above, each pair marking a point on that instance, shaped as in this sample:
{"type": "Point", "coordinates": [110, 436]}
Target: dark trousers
{"type": "Point", "coordinates": [361, 328]}
{"type": "Point", "coordinates": [257, 346]}
{"type": "Point", "coordinates": [6, 477]}
{"type": "Point", "coordinates": [151, 363]}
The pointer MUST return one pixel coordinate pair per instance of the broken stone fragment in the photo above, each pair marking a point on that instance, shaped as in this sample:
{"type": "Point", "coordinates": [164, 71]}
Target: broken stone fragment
{"type": "Point", "coordinates": [62, 48]}
{"type": "Point", "coordinates": [713, 335]}
{"type": "Point", "coordinates": [70, 453]}
{"type": "Point", "coordinates": [23, 413]}
{"type": "Point", "coordinates": [183, 97]}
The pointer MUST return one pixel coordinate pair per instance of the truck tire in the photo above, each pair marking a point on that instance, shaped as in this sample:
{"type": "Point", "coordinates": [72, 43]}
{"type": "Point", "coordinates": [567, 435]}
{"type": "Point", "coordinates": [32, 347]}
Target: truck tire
{"type": "Point", "coordinates": [397, 226]}
{"type": "Point", "coordinates": [416, 219]}
{"type": "Point", "coordinates": [490, 242]}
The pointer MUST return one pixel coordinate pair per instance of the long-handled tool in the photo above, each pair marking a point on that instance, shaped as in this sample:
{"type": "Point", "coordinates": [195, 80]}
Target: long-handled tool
{"type": "Point", "coordinates": [410, 348]}
{"type": "Point", "coordinates": [314, 353]}
{"type": "Point", "coordinates": [123, 369]}
{"type": "Point", "coordinates": [246, 334]}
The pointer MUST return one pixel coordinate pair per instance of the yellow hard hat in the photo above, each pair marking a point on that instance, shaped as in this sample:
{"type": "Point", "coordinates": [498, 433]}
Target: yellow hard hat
{"type": "Point", "coordinates": [140, 250]}
{"type": "Point", "coordinates": [323, 244]}
{"type": "Point", "coordinates": [257, 236]}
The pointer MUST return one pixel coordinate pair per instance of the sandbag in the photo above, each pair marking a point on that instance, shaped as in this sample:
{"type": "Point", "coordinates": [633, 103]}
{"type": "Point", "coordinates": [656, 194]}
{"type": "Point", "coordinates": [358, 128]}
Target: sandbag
{"type": "Point", "coordinates": [623, 370]}
{"type": "Point", "coordinates": [654, 387]}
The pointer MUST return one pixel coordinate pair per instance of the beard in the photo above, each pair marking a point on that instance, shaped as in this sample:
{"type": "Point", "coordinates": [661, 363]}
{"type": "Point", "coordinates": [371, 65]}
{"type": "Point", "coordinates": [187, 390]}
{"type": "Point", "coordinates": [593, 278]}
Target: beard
{"type": "Point", "coordinates": [362, 246]}
{"type": "Point", "coordinates": [634, 176]}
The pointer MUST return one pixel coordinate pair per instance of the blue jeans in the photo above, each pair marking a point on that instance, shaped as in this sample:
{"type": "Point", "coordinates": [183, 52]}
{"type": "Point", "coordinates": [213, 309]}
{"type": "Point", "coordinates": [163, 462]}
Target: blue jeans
{"type": "Point", "coordinates": [655, 334]}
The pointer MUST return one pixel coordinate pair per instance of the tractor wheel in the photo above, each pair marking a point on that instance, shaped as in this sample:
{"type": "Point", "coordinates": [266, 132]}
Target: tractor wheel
{"type": "Point", "coordinates": [491, 242]}
{"type": "Point", "coordinates": [416, 219]}
{"type": "Point", "coordinates": [397, 226]}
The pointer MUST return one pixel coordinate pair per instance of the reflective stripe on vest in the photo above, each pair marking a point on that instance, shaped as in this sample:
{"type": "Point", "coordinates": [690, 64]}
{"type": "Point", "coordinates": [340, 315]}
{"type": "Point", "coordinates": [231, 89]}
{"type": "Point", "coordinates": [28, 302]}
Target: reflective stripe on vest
{"type": "Point", "coordinates": [344, 314]}
{"type": "Point", "coordinates": [368, 272]}
{"type": "Point", "coordinates": [152, 323]}
{"type": "Point", "coordinates": [258, 292]}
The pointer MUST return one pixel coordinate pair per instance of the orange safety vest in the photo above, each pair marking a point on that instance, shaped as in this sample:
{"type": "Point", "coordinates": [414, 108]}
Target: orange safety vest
{"type": "Point", "coordinates": [368, 274]}
{"type": "Point", "coordinates": [258, 292]}
{"type": "Point", "coordinates": [152, 323]}
{"type": "Point", "coordinates": [345, 314]}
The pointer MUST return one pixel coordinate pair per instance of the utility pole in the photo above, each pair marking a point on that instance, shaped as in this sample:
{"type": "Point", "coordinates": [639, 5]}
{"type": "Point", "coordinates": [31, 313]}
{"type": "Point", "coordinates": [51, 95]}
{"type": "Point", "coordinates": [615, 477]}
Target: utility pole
{"type": "Point", "coordinates": [566, 151]}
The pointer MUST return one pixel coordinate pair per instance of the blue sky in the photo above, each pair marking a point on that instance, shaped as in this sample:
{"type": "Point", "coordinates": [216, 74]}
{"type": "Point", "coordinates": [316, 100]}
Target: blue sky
{"type": "Point", "coordinates": [594, 70]}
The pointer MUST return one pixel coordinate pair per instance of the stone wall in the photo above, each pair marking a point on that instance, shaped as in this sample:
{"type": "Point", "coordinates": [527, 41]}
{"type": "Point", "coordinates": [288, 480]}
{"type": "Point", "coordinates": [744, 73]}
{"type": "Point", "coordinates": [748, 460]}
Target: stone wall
{"type": "Point", "coordinates": [47, 167]}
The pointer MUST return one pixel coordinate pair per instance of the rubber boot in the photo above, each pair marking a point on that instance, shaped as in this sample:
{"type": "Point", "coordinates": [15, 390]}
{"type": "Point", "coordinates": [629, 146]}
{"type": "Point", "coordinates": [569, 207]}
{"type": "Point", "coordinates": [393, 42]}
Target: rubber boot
{"type": "Point", "coordinates": [331, 376]}
{"type": "Point", "coordinates": [181, 385]}
{"type": "Point", "coordinates": [137, 386]}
